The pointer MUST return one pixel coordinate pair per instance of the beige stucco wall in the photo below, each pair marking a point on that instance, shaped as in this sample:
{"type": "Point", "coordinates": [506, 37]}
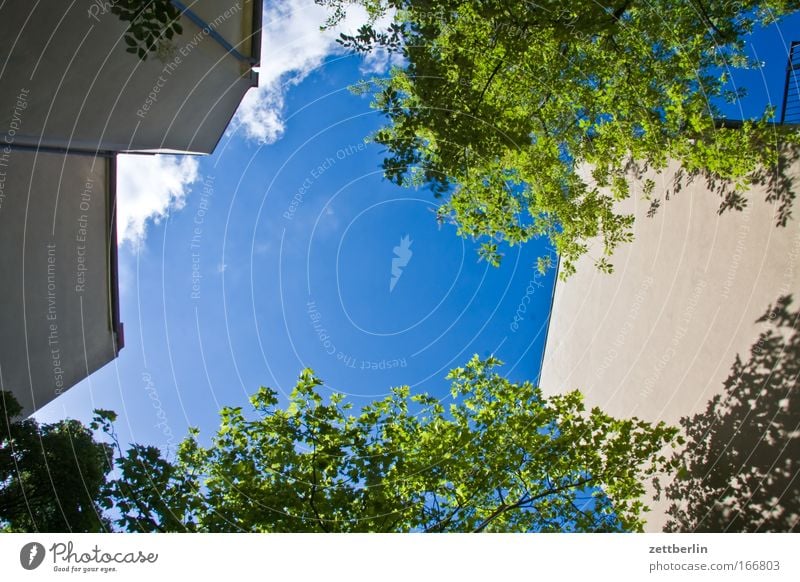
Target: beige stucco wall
{"type": "Point", "coordinates": [658, 337]}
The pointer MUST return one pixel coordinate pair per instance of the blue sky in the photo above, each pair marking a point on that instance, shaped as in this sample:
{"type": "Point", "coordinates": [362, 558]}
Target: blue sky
{"type": "Point", "coordinates": [294, 248]}
{"type": "Point", "coordinates": [278, 255]}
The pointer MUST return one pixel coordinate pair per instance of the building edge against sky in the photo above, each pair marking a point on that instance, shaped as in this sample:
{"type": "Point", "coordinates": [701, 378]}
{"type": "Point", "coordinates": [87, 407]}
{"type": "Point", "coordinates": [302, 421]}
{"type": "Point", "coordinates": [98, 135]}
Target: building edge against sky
{"type": "Point", "coordinates": [60, 315]}
{"type": "Point", "coordinates": [73, 99]}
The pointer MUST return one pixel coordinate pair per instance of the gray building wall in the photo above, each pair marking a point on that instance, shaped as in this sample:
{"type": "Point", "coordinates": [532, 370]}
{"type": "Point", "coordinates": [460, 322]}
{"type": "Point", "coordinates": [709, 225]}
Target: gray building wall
{"type": "Point", "coordinates": [84, 91]}
{"type": "Point", "coordinates": [57, 259]}
{"type": "Point", "coordinates": [659, 338]}
{"type": "Point", "coordinates": [72, 96]}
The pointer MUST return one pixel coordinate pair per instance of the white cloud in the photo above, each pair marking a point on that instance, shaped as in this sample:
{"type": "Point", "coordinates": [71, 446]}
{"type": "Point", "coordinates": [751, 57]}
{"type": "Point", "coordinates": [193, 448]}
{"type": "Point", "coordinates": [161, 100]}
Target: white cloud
{"type": "Point", "coordinates": [292, 46]}
{"type": "Point", "coordinates": [380, 60]}
{"type": "Point", "coordinates": [148, 187]}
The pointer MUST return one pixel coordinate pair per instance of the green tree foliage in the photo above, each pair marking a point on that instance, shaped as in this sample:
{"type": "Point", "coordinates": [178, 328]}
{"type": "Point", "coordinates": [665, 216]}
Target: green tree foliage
{"type": "Point", "coordinates": [495, 456]}
{"type": "Point", "coordinates": [51, 475]}
{"type": "Point", "coordinates": [148, 492]}
{"type": "Point", "coordinates": [152, 24]}
{"type": "Point", "coordinates": [528, 117]}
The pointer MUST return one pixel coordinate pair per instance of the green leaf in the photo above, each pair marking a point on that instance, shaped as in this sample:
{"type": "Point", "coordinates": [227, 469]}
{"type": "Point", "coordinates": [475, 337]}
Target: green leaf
{"type": "Point", "coordinates": [615, 94]}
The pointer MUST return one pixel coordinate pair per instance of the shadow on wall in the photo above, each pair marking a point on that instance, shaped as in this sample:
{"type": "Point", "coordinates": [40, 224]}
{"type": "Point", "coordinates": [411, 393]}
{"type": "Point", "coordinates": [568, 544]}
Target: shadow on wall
{"type": "Point", "coordinates": [739, 471]}
{"type": "Point", "coordinates": [777, 181]}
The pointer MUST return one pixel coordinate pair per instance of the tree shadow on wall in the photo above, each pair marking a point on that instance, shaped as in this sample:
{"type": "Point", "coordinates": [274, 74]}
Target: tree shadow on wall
{"type": "Point", "coordinates": [777, 181]}
{"type": "Point", "coordinates": [739, 471]}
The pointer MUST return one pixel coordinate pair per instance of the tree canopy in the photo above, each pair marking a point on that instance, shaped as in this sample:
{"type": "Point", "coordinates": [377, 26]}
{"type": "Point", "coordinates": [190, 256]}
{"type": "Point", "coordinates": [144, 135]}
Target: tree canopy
{"type": "Point", "coordinates": [51, 475]}
{"type": "Point", "coordinates": [528, 117]}
{"type": "Point", "coordinates": [492, 456]}
{"type": "Point", "coordinates": [495, 456]}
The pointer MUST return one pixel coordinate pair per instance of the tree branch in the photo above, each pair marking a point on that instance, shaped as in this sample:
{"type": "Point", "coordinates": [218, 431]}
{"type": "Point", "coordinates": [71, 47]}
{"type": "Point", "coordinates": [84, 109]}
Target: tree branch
{"type": "Point", "coordinates": [524, 500]}
{"type": "Point", "coordinates": [314, 485]}
{"type": "Point", "coordinates": [619, 12]}
{"type": "Point", "coordinates": [437, 527]}
{"type": "Point", "coordinates": [707, 19]}
{"type": "Point", "coordinates": [486, 86]}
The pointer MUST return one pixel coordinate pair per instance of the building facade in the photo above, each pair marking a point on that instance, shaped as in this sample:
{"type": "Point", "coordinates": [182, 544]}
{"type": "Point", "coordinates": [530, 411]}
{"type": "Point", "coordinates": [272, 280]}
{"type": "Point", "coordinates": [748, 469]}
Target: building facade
{"type": "Point", "coordinates": [698, 327]}
{"type": "Point", "coordinates": [73, 97]}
